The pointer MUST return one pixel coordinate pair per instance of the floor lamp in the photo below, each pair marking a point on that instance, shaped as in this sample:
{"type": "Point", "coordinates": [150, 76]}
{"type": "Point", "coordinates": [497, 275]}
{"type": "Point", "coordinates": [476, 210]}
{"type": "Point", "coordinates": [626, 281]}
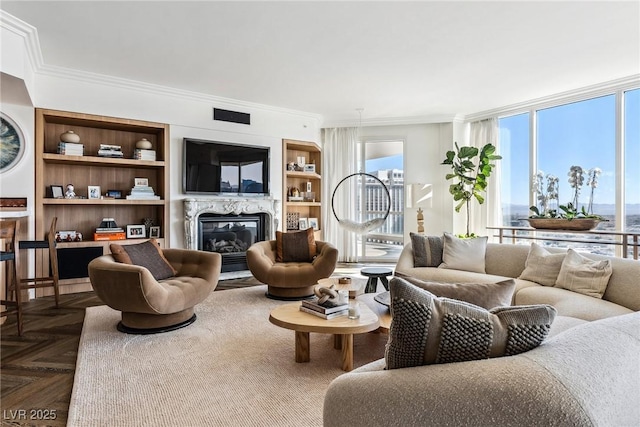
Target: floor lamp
{"type": "Point", "coordinates": [419, 195]}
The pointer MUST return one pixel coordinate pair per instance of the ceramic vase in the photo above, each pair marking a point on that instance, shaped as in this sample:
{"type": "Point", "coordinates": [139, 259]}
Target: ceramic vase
{"type": "Point", "coordinates": [70, 136]}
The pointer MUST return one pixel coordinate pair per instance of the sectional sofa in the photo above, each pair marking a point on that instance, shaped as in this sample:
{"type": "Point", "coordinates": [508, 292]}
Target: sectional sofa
{"type": "Point", "coordinates": [586, 373]}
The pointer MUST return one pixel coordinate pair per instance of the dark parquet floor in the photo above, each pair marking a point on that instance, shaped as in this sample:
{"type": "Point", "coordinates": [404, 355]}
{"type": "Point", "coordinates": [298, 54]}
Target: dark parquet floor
{"type": "Point", "coordinates": [38, 367]}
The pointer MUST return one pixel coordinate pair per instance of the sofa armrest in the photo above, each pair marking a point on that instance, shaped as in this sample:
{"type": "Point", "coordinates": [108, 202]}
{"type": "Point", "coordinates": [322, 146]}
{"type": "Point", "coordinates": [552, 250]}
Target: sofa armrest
{"type": "Point", "coordinates": [327, 258]}
{"type": "Point", "coordinates": [192, 263]}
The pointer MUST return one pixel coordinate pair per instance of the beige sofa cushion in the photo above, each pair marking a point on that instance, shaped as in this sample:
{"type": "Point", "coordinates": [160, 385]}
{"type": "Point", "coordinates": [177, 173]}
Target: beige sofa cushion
{"type": "Point", "coordinates": [542, 266]}
{"type": "Point", "coordinates": [427, 329]}
{"type": "Point", "coordinates": [570, 303]}
{"type": "Point", "coordinates": [485, 295]}
{"type": "Point", "coordinates": [464, 254]}
{"type": "Point", "coordinates": [583, 275]}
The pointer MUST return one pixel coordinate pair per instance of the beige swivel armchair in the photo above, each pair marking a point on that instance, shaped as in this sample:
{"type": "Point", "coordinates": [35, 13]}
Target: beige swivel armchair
{"type": "Point", "coordinates": [151, 306]}
{"type": "Point", "coordinates": [290, 280]}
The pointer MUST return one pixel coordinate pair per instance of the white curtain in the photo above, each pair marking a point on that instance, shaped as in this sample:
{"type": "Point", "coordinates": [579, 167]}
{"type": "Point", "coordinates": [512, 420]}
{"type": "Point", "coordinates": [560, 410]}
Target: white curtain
{"type": "Point", "coordinates": [486, 132]}
{"type": "Point", "coordinates": [339, 160]}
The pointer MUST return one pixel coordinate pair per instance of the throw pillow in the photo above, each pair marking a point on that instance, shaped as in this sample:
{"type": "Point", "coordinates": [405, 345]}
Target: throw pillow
{"type": "Point", "coordinates": [542, 266]}
{"type": "Point", "coordinates": [427, 250]}
{"type": "Point", "coordinates": [426, 329]}
{"type": "Point", "coordinates": [297, 246]}
{"type": "Point", "coordinates": [485, 295]}
{"type": "Point", "coordinates": [147, 255]}
{"type": "Point", "coordinates": [464, 254]}
{"type": "Point", "coordinates": [583, 275]}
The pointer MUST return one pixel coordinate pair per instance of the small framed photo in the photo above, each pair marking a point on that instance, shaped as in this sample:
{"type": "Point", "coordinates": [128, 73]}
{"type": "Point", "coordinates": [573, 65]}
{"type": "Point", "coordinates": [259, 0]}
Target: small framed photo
{"type": "Point", "coordinates": [141, 182]}
{"type": "Point", "coordinates": [310, 168]}
{"type": "Point", "coordinates": [116, 194]}
{"type": "Point", "coordinates": [313, 223]}
{"type": "Point", "coordinates": [136, 231]}
{"type": "Point", "coordinates": [57, 192]}
{"type": "Point", "coordinates": [303, 224]}
{"type": "Point", "coordinates": [93, 192]}
{"type": "Point", "coordinates": [154, 231]}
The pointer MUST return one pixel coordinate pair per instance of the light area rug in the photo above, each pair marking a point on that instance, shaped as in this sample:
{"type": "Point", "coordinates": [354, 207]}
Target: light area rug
{"type": "Point", "coordinates": [232, 367]}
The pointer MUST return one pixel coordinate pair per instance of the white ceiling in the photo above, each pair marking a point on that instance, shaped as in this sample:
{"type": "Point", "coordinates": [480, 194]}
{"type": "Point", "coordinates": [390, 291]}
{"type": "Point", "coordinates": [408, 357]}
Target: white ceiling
{"type": "Point", "coordinates": [394, 59]}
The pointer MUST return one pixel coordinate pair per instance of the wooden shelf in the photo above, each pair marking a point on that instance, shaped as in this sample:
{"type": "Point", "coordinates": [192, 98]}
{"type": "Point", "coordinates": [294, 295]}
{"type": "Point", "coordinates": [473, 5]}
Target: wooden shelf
{"type": "Point", "coordinates": [102, 202]}
{"type": "Point", "coordinates": [100, 161]}
{"type": "Point", "coordinates": [303, 175]}
{"type": "Point", "coordinates": [83, 214]}
{"type": "Point", "coordinates": [291, 204]}
{"type": "Point", "coordinates": [312, 154]}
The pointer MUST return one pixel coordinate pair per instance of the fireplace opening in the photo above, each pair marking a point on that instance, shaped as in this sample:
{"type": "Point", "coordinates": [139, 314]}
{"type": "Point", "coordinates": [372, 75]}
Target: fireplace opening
{"type": "Point", "coordinates": [230, 236]}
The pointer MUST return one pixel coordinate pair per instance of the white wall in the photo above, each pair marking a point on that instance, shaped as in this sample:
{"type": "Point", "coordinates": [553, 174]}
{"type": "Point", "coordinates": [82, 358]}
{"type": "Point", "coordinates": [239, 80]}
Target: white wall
{"type": "Point", "coordinates": [424, 149]}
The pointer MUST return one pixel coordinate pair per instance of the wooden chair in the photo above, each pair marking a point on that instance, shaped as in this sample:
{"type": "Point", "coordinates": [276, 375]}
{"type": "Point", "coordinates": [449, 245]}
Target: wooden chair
{"type": "Point", "coordinates": [8, 236]}
{"type": "Point", "coordinates": [49, 274]}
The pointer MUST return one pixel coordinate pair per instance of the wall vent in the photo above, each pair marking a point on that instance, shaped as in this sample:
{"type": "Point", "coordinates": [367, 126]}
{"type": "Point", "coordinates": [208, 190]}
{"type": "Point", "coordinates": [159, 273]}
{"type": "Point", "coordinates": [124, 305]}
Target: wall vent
{"type": "Point", "coordinates": [231, 116]}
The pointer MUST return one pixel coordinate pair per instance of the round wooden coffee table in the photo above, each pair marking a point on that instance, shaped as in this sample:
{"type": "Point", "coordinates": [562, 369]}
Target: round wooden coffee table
{"type": "Point", "coordinates": [383, 312]}
{"type": "Point", "coordinates": [289, 316]}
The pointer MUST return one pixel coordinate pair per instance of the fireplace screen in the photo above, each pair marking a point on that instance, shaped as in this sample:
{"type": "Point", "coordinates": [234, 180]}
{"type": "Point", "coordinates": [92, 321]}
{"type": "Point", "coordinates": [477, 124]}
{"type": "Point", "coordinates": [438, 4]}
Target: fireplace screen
{"type": "Point", "coordinates": [230, 236]}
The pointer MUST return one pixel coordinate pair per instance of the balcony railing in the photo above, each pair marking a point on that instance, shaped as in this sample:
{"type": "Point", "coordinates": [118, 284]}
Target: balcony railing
{"type": "Point", "coordinates": [628, 242]}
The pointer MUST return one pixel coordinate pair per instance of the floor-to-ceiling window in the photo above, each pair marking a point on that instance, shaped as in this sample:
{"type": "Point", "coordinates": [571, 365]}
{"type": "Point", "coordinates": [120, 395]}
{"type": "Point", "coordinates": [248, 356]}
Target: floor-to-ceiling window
{"type": "Point", "coordinates": [632, 159]}
{"type": "Point", "coordinates": [569, 141]}
{"type": "Point", "coordinates": [384, 160]}
{"type": "Point", "coordinates": [514, 149]}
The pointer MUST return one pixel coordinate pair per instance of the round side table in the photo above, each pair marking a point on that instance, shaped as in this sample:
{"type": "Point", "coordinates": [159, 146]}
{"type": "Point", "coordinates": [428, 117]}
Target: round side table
{"type": "Point", "coordinates": [375, 273]}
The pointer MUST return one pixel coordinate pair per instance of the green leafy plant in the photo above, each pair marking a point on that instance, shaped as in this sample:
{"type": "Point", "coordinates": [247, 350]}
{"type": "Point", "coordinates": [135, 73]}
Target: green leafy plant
{"type": "Point", "coordinates": [471, 180]}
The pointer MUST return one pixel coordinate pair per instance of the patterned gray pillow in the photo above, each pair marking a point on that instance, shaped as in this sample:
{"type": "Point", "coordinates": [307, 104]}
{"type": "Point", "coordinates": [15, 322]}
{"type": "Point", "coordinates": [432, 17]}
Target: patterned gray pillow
{"type": "Point", "coordinates": [427, 250]}
{"type": "Point", "coordinates": [426, 329]}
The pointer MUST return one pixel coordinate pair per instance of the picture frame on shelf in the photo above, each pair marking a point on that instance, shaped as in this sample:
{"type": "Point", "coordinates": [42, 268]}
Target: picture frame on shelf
{"type": "Point", "coordinates": [154, 231]}
{"type": "Point", "coordinates": [310, 168]}
{"type": "Point", "coordinates": [141, 182]}
{"type": "Point", "coordinates": [57, 191]}
{"type": "Point", "coordinates": [116, 194]}
{"type": "Point", "coordinates": [136, 231]}
{"type": "Point", "coordinates": [303, 223]}
{"type": "Point", "coordinates": [313, 223]}
{"type": "Point", "coordinates": [93, 192]}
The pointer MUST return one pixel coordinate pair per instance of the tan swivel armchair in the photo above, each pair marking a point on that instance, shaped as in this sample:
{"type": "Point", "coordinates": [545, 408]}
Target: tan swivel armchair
{"type": "Point", "coordinates": [151, 306]}
{"type": "Point", "coordinates": [290, 280]}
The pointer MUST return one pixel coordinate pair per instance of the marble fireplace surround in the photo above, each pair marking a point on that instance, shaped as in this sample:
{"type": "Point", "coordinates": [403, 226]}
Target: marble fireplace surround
{"type": "Point", "coordinates": [193, 208]}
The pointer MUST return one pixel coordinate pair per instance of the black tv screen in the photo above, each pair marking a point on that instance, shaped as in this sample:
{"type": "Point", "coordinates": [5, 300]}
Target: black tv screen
{"type": "Point", "coordinates": [212, 167]}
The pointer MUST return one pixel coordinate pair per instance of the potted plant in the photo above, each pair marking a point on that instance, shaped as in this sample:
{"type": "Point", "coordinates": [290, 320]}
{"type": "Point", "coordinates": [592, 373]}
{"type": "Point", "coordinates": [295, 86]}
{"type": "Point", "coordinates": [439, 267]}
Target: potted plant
{"type": "Point", "coordinates": [564, 217]}
{"type": "Point", "coordinates": [470, 181]}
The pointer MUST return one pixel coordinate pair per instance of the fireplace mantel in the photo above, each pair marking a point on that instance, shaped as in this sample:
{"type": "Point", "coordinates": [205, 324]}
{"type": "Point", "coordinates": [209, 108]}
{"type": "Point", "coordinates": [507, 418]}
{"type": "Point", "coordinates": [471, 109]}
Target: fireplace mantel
{"type": "Point", "coordinates": [193, 208]}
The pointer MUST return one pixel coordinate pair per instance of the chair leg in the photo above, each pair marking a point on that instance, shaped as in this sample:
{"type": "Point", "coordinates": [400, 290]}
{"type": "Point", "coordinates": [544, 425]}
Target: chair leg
{"type": "Point", "coordinates": [56, 291]}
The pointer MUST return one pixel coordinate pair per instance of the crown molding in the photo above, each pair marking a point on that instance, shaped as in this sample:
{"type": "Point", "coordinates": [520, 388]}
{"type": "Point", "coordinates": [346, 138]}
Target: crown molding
{"type": "Point", "coordinates": [575, 95]}
{"type": "Point", "coordinates": [30, 35]}
{"type": "Point", "coordinates": [136, 85]}
{"type": "Point", "coordinates": [393, 121]}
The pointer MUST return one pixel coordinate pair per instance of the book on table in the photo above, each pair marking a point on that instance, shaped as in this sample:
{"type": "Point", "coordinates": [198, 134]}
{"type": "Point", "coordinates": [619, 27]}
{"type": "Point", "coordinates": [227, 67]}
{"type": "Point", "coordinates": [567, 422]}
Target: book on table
{"type": "Point", "coordinates": [342, 312]}
{"type": "Point", "coordinates": [327, 307]}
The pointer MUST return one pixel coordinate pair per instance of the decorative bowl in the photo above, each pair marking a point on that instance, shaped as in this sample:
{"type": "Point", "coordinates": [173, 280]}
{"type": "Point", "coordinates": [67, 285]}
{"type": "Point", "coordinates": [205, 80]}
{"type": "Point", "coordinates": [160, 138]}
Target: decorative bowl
{"type": "Point", "coordinates": [575, 224]}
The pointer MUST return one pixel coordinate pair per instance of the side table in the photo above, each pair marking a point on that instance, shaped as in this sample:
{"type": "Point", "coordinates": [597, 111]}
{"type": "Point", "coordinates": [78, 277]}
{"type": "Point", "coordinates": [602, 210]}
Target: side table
{"type": "Point", "coordinates": [375, 273]}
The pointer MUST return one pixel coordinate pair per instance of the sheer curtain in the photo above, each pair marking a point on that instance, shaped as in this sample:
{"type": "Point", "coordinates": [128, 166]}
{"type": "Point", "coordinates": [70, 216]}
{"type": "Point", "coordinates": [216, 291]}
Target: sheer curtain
{"type": "Point", "coordinates": [339, 160]}
{"type": "Point", "coordinates": [485, 132]}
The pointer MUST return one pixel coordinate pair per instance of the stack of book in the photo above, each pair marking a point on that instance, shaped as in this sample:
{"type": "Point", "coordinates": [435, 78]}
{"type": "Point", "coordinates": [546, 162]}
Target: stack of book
{"type": "Point", "coordinates": [107, 150]}
{"type": "Point", "coordinates": [140, 154]}
{"type": "Point", "coordinates": [109, 230]}
{"type": "Point", "coordinates": [142, 192]}
{"type": "Point", "coordinates": [70, 149]}
{"type": "Point", "coordinates": [326, 311]}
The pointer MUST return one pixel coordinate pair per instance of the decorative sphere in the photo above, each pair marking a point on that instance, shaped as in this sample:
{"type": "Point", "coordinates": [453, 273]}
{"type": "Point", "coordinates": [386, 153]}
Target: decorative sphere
{"type": "Point", "coordinates": [70, 136]}
{"type": "Point", "coordinates": [144, 144]}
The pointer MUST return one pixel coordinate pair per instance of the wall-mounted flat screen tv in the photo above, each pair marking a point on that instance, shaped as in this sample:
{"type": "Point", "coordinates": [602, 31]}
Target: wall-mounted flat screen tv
{"type": "Point", "coordinates": [212, 167]}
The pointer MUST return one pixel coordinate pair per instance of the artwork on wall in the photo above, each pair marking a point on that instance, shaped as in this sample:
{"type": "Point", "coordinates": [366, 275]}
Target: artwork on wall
{"type": "Point", "coordinates": [11, 143]}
